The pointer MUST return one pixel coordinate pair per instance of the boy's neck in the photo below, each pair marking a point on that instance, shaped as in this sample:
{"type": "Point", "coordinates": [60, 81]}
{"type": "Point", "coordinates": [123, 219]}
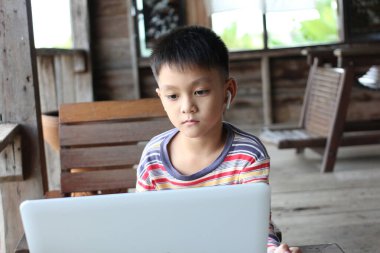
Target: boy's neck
{"type": "Point", "coordinates": [190, 155]}
{"type": "Point", "coordinates": [205, 144]}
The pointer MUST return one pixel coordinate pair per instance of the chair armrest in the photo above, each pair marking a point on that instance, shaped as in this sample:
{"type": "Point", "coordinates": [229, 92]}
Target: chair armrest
{"type": "Point", "coordinates": [279, 127]}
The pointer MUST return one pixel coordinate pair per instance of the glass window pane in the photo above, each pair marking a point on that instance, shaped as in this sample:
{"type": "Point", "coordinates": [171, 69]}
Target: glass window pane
{"type": "Point", "coordinates": [239, 29]}
{"type": "Point", "coordinates": [52, 23]}
{"type": "Point", "coordinates": [318, 25]}
{"type": "Point", "coordinates": [156, 18]}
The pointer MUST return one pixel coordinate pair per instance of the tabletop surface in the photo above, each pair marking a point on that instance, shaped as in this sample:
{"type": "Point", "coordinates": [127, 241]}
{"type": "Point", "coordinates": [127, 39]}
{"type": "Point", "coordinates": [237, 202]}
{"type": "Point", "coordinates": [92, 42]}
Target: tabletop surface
{"type": "Point", "coordinates": [319, 248]}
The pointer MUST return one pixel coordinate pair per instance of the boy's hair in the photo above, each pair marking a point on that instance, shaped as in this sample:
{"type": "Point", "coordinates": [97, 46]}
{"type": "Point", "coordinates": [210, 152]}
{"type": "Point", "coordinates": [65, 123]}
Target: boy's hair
{"type": "Point", "coordinates": [191, 46]}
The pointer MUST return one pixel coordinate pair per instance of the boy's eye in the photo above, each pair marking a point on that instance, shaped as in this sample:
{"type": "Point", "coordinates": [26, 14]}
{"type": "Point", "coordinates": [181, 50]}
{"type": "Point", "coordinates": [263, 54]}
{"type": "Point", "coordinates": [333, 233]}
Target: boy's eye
{"type": "Point", "coordinates": [172, 97]}
{"type": "Point", "coordinates": [201, 92]}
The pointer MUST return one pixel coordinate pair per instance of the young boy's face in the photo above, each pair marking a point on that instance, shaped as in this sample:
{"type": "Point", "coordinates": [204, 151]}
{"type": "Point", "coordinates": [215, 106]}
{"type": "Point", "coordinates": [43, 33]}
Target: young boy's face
{"type": "Point", "coordinates": [194, 99]}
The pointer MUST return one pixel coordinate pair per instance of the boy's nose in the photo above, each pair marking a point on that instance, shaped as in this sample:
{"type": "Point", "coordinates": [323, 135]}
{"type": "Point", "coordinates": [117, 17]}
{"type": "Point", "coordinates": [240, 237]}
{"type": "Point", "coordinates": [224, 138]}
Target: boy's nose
{"type": "Point", "coordinates": [188, 106]}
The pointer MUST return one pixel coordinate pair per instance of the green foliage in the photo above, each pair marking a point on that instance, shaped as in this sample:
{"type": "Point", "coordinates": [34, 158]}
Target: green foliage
{"type": "Point", "coordinates": [321, 30]}
{"type": "Point", "coordinates": [317, 31]}
{"type": "Point", "coordinates": [245, 41]}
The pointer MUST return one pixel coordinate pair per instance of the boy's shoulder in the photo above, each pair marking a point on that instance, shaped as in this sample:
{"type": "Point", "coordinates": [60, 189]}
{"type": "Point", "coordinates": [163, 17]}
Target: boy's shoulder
{"type": "Point", "coordinates": [247, 142]}
{"type": "Point", "coordinates": [242, 135]}
{"type": "Point", "coordinates": [156, 141]}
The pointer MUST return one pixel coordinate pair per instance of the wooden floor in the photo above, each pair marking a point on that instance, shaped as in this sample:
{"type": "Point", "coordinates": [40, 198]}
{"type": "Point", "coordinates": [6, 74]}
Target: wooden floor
{"type": "Point", "coordinates": [341, 207]}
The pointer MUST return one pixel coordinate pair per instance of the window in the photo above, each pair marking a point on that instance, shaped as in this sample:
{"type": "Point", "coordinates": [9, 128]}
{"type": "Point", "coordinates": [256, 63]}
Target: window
{"type": "Point", "coordinates": [155, 18]}
{"type": "Point", "coordinates": [247, 25]}
{"type": "Point", "coordinates": [52, 23]}
{"type": "Point", "coordinates": [239, 29]}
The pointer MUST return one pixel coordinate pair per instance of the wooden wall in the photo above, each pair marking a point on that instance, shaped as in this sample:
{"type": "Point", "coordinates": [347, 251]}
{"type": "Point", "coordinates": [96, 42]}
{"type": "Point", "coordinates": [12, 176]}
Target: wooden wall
{"type": "Point", "coordinates": [113, 50]}
{"type": "Point", "coordinates": [120, 74]}
{"type": "Point", "coordinates": [113, 44]}
{"type": "Point", "coordinates": [289, 76]}
{"type": "Point", "coordinates": [63, 77]}
{"type": "Point", "coordinates": [248, 102]}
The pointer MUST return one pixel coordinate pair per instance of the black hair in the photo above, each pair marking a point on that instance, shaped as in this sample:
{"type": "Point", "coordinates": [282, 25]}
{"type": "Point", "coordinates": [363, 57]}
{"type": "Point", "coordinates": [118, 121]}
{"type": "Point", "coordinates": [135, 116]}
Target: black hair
{"type": "Point", "coordinates": [190, 46]}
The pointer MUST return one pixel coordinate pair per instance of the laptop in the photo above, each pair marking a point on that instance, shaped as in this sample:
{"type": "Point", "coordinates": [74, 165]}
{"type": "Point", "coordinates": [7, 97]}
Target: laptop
{"type": "Point", "coordinates": [220, 219]}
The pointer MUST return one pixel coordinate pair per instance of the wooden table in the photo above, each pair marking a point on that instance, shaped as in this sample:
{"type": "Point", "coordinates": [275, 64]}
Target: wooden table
{"type": "Point", "coordinates": [320, 248]}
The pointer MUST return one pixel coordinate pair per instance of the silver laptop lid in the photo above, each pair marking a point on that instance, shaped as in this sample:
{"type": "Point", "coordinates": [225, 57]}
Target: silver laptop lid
{"type": "Point", "coordinates": [200, 220]}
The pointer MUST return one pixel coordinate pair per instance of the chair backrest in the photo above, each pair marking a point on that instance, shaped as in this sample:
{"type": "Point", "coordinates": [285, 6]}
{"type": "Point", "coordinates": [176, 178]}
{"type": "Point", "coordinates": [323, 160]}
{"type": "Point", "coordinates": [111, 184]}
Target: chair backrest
{"type": "Point", "coordinates": [323, 93]}
{"type": "Point", "coordinates": [101, 142]}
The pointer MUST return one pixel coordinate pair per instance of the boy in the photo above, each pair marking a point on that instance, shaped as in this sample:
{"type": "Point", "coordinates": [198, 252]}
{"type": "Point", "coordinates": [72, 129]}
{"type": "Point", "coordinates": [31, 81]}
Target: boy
{"type": "Point", "coordinates": [191, 67]}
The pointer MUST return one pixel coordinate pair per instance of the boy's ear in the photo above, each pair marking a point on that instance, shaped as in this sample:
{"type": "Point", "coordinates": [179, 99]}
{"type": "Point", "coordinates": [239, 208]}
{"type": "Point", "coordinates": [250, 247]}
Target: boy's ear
{"type": "Point", "coordinates": [158, 92]}
{"type": "Point", "coordinates": [232, 88]}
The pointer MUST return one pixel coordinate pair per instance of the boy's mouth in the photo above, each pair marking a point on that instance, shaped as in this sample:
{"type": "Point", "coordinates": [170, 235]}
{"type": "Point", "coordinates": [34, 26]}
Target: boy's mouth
{"type": "Point", "coordinates": [190, 122]}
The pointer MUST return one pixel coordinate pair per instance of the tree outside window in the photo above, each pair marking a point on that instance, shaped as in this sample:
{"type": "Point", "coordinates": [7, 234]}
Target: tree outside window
{"type": "Point", "coordinates": [286, 23]}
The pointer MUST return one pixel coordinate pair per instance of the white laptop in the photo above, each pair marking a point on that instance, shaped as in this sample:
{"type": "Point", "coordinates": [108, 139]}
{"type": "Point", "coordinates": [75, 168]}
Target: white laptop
{"type": "Point", "coordinates": [220, 219]}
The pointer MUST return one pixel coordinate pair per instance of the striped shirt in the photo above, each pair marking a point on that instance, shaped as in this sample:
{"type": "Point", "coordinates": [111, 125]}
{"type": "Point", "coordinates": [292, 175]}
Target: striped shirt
{"type": "Point", "coordinates": [244, 159]}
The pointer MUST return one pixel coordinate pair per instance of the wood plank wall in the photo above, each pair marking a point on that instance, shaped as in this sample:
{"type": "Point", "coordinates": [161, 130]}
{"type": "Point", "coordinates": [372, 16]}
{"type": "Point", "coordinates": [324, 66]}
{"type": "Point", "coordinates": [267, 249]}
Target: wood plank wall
{"type": "Point", "coordinates": [116, 69]}
{"type": "Point", "coordinates": [63, 77]}
{"type": "Point", "coordinates": [113, 50]}
{"type": "Point", "coordinates": [247, 109]}
{"type": "Point", "coordinates": [289, 76]}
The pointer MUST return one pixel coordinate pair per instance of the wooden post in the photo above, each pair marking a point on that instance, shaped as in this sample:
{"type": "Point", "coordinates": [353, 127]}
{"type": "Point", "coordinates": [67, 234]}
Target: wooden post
{"type": "Point", "coordinates": [198, 13]}
{"type": "Point", "coordinates": [19, 104]}
{"type": "Point", "coordinates": [266, 90]}
{"type": "Point", "coordinates": [81, 38]}
{"type": "Point", "coordinates": [132, 48]}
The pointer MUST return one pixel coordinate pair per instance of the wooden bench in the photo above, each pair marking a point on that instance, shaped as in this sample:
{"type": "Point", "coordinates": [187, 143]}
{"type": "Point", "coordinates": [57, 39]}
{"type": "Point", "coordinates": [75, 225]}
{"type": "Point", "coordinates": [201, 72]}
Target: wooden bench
{"type": "Point", "coordinates": [323, 118]}
{"type": "Point", "coordinates": [101, 143]}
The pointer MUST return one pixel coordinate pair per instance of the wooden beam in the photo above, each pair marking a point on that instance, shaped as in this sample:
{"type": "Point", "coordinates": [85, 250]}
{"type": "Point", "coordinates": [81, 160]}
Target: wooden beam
{"type": "Point", "coordinates": [81, 38]}
{"type": "Point", "coordinates": [132, 48]}
{"type": "Point", "coordinates": [19, 103]}
{"type": "Point", "coordinates": [266, 90]}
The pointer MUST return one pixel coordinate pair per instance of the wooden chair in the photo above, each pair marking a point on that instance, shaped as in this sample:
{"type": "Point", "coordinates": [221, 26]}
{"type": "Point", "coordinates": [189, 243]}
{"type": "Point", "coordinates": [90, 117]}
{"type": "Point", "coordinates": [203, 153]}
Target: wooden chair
{"type": "Point", "coordinates": [323, 110]}
{"type": "Point", "coordinates": [323, 118]}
